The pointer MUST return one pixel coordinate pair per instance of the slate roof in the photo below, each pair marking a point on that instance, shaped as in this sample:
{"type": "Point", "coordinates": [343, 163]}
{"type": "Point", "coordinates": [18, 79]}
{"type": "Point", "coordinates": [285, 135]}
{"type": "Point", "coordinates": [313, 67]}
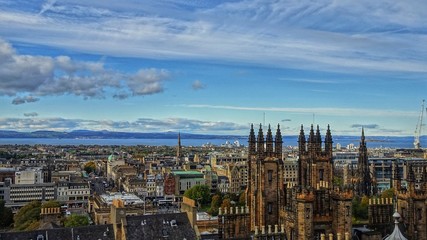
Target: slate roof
{"type": "Point", "coordinates": [93, 232]}
{"type": "Point", "coordinates": [170, 226]}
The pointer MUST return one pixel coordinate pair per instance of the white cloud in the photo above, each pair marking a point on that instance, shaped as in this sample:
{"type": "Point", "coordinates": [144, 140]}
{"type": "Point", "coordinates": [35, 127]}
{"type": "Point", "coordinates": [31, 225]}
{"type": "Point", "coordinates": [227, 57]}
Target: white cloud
{"type": "Point", "coordinates": [197, 85]}
{"type": "Point", "coordinates": [43, 76]}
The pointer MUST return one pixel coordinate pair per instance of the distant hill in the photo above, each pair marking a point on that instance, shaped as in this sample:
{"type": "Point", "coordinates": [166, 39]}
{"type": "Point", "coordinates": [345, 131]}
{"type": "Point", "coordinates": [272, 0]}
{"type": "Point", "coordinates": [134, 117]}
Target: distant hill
{"type": "Point", "coordinates": [109, 135]}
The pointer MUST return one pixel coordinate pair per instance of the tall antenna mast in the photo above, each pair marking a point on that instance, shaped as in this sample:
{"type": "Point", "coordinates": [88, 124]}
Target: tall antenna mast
{"type": "Point", "coordinates": [417, 144]}
{"type": "Point", "coordinates": [263, 123]}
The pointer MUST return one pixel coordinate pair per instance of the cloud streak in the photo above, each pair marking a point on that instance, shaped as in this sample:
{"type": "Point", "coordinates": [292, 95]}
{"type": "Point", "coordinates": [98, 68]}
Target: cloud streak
{"type": "Point", "coordinates": [328, 35]}
{"type": "Point", "coordinates": [139, 125]}
{"type": "Point", "coordinates": [317, 111]}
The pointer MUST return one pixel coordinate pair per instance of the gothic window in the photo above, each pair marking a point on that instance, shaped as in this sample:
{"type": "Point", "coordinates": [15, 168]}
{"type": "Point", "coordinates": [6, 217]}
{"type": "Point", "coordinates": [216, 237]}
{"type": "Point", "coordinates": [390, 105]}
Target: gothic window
{"type": "Point", "coordinates": [270, 208]}
{"type": "Point", "coordinates": [321, 174]}
{"type": "Point", "coordinates": [270, 175]}
{"type": "Point", "coordinates": [420, 214]}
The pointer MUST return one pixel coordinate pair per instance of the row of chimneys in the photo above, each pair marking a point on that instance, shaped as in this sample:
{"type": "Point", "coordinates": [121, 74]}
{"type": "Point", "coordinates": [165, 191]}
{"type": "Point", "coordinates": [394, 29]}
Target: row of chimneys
{"type": "Point", "coordinates": [331, 236]}
{"type": "Point", "coordinates": [381, 201]}
{"type": "Point", "coordinates": [243, 210]}
{"type": "Point", "coordinates": [50, 210]}
{"type": "Point", "coordinates": [276, 230]}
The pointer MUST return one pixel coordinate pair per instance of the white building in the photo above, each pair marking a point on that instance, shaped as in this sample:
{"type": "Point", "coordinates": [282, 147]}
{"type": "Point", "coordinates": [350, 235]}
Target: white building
{"type": "Point", "coordinates": [29, 176]}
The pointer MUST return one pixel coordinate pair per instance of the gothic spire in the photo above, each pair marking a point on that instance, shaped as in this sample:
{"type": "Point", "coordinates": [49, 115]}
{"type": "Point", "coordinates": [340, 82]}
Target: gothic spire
{"type": "Point", "coordinates": [301, 139]}
{"type": "Point", "coordinates": [279, 142]}
{"type": "Point", "coordinates": [260, 142]}
{"type": "Point", "coordinates": [328, 141]}
{"type": "Point", "coordinates": [269, 142]}
{"type": "Point", "coordinates": [252, 141]}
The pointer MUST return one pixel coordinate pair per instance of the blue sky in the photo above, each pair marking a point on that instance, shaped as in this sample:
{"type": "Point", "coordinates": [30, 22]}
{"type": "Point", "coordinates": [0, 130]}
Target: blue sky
{"type": "Point", "coordinates": [213, 66]}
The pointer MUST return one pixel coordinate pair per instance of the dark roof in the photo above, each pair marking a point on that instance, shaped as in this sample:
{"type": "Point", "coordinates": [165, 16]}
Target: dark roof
{"type": "Point", "coordinates": [161, 226]}
{"type": "Point", "coordinates": [94, 232]}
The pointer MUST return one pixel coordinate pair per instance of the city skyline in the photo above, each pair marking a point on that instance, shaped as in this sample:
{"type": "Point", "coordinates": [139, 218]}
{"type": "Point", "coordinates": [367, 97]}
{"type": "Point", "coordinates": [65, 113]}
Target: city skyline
{"type": "Point", "coordinates": [213, 67]}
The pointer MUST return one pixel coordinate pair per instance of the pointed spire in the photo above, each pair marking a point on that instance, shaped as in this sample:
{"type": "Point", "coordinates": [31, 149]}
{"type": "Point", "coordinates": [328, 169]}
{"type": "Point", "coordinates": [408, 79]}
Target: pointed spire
{"type": "Point", "coordinates": [318, 140]}
{"type": "Point", "coordinates": [252, 141]}
{"type": "Point", "coordinates": [301, 139]}
{"type": "Point", "coordinates": [328, 141]}
{"type": "Point", "coordinates": [260, 145]}
{"type": "Point", "coordinates": [396, 234]}
{"type": "Point", "coordinates": [279, 142]}
{"type": "Point", "coordinates": [269, 142]}
{"type": "Point", "coordinates": [311, 138]}
{"type": "Point", "coordinates": [178, 150]}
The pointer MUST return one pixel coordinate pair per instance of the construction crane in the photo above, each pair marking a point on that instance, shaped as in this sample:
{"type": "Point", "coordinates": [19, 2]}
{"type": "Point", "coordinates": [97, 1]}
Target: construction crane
{"type": "Point", "coordinates": [418, 128]}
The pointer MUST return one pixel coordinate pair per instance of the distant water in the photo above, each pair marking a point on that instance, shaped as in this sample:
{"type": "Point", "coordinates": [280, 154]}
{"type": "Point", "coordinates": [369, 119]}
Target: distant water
{"type": "Point", "coordinates": [372, 142]}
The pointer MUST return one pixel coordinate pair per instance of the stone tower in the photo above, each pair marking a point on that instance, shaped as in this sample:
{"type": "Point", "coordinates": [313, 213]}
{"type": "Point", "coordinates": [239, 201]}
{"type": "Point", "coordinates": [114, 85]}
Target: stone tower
{"type": "Point", "coordinates": [265, 188]}
{"type": "Point", "coordinates": [315, 207]}
{"type": "Point", "coordinates": [412, 200]}
{"type": "Point", "coordinates": [178, 150]}
{"type": "Point", "coordinates": [364, 184]}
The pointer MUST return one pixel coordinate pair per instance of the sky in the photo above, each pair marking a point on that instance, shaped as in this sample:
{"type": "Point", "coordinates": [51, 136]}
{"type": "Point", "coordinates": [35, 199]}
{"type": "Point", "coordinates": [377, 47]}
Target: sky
{"type": "Point", "coordinates": [213, 67]}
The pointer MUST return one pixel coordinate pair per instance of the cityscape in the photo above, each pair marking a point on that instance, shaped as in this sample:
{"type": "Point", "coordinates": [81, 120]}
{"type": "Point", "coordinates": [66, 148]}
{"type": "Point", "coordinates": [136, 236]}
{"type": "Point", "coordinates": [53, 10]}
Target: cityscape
{"type": "Point", "coordinates": [204, 120]}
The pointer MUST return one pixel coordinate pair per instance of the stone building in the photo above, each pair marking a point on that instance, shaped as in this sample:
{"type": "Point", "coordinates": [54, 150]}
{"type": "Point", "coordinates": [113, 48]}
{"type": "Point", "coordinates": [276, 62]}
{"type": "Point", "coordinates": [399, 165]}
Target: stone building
{"type": "Point", "coordinates": [412, 199]}
{"type": "Point", "coordinates": [265, 189]}
{"type": "Point", "coordinates": [314, 207]}
{"type": "Point", "coordinates": [364, 180]}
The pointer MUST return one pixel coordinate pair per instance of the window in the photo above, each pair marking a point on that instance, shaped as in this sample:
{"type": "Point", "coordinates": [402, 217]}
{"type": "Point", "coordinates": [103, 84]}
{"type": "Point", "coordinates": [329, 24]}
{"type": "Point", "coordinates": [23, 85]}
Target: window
{"type": "Point", "coordinates": [321, 174]}
{"type": "Point", "coordinates": [270, 175]}
{"type": "Point", "coordinates": [270, 208]}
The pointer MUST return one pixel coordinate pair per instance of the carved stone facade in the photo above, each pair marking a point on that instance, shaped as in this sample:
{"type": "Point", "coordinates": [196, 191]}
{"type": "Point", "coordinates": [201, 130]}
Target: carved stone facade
{"type": "Point", "coordinates": [364, 185]}
{"type": "Point", "coordinates": [265, 189]}
{"type": "Point", "coordinates": [412, 200]}
{"type": "Point", "coordinates": [315, 207]}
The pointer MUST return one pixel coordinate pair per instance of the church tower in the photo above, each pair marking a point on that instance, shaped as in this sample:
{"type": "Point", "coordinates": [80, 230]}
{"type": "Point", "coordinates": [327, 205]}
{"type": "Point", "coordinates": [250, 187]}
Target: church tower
{"type": "Point", "coordinates": [178, 150]}
{"type": "Point", "coordinates": [315, 207]}
{"type": "Point", "coordinates": [265, 187]}
{"type": "Point", "coordinates": [364, 186]}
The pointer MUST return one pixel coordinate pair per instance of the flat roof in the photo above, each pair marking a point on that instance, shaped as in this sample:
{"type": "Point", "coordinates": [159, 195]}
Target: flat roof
{"type": "Point", "coordinates": [187, 173]}
{"type": "Point", "coordinates": [128, 198]}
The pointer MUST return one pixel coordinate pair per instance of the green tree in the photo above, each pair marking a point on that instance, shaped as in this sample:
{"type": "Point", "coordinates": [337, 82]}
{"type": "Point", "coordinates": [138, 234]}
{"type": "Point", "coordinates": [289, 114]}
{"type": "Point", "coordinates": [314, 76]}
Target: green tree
{"type": "Point", "coordinates": [75, 220]}
{"type": "Point", "coordinates": [90, 167]}
{"type": "Point", "coordinates": [242, 199]}
{"type": "Point", "coordinates": [360, 209]}
{"type": "Point", "coordinates": [6, 215]}
{"type": "Point", "coordinates": [51, 204]}
{"type": "Point", "coordinates": [215, 204]}
{"type": "Point", "coordinates": [389, 193]}
{"type": "Point", "coordinates": [226, 203]}
{"type": "Point", "coordinates": [199, 193]}
{"type": "Point", "coordinates": [28, 216]}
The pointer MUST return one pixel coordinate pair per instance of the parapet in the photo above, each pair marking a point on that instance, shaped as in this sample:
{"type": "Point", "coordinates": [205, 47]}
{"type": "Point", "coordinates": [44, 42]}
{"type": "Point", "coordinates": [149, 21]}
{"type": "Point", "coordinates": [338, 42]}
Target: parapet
{"type": "Point", "coordinates": [233, 210]}
{"type": "Point", "coordinates": [277, 234]}
{"type": "Point", "coordinates": [338, 236]}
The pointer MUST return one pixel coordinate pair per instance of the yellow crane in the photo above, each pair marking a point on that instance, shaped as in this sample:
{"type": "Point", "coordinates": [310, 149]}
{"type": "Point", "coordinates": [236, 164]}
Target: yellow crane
{"type": "Point", "coordinates": [418, 128]}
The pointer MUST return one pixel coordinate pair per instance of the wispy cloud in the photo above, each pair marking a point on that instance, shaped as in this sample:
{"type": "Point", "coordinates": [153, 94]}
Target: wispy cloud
{"type": "Point", "coordinates": [31, 114]}
{"type": "Point", "coordinates": [139, 125]}
{"type": "Point", "coordinates": [44, 76]}
{"type": "Point", "coordinates": [26, 99]}
{"type": "Point", "coordinates": [329, 36]}
{"type": "Point", "coordinates": [316, 81]}
{"type": "Point", "coordinates": [369, 126]}
{"type": "Point", "coordinates": [317, 111]}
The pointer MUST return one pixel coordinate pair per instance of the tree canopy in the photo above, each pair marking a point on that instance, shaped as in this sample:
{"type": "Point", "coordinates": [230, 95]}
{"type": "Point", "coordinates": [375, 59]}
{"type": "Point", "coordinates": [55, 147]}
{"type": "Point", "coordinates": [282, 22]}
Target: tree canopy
{"type": "Point", "coordinates": [90, 167]}
{"type": "Point", "coordinates": [75, 220]}
{"type": "Point", "coordinates": [199, 193]}
{"type": "Point", "coordinates": [28, 216]}
{"type": "Point", "coordinates": [6, 215]}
